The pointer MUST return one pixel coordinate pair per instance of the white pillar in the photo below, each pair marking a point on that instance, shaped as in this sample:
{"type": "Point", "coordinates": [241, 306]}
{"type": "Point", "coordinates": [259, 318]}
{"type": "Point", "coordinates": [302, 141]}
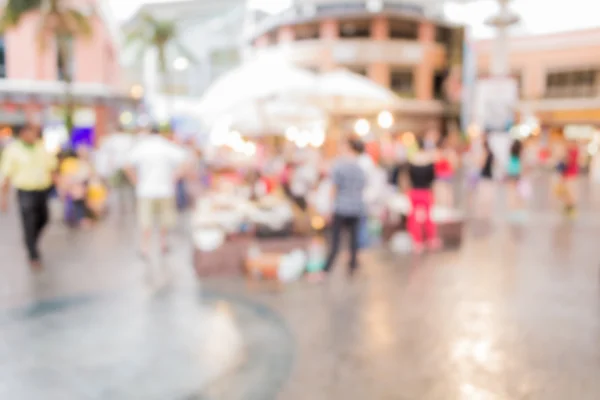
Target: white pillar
{"type": "Point", "coordinates": [502, 22]}
{"type": "Point", "coordinates": [499, 62]}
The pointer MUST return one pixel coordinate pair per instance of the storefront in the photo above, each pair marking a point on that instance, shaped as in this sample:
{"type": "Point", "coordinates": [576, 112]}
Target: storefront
{"type": "Point", "coordinates": [96, 108]}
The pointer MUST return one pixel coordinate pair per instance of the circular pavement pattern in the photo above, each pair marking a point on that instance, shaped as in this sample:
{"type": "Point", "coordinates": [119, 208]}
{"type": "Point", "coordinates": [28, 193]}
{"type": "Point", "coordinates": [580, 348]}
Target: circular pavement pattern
{"type": "Point", "coordinates": [172, 345]}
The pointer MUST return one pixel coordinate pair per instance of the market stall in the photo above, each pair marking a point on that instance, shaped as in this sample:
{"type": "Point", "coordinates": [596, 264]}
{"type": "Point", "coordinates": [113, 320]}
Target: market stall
{"type": "Point", "coordinates": [235, 232]}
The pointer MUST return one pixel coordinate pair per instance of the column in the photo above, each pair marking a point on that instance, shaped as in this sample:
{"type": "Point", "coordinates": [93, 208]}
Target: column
{"type": "Point", "coordinates": [102, 122]}
{"type": "Point", "coordinates": [380, 28]}
{"type": "Point", "coordinates": [380, 71]}
{"type": "Point", "coordinates": [499, 60]}
{"type": "Point", "coordinates": [534, 81]}
{"type": "Point", "coordinates": [424, 72]}
{"type": "Point", "coordinates": [329, 31]}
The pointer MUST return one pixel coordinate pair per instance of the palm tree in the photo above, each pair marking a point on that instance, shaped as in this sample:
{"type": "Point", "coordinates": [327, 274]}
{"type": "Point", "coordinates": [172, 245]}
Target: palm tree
{"type": "Point", "coordinates": [60, 23]}
{"type": "Point", "coordinates": [150, 33]}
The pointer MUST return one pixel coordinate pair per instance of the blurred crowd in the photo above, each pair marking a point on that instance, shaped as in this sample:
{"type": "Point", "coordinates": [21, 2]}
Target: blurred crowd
{"type": "Point", "coordinates": [351, 191]}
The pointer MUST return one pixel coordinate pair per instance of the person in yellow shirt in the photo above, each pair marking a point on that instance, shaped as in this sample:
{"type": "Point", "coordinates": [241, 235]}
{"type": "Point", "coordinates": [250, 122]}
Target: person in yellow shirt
{"type": "Point", "coordinates": [29, 168]}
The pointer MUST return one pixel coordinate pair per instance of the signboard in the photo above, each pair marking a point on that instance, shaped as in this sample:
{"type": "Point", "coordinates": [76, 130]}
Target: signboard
{"type": "Point", "coordinates": [580, 132]}
{"type": "Point", "coordinates": [495, 102]}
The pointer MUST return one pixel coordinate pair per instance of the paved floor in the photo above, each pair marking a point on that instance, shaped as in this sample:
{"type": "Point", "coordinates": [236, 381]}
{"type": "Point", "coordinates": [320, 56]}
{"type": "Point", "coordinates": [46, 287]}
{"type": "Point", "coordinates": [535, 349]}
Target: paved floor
{"type": "Point", "coordinates": [513, 314]}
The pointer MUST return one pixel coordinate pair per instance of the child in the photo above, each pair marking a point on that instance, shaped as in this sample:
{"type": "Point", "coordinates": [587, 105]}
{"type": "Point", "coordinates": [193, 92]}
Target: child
{"type": "Point", "coordinates": [97, 195]}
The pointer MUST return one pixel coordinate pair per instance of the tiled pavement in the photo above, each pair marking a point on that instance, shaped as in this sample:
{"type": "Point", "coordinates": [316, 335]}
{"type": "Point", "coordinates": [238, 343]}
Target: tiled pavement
{"type": "Point", "coordinates": [514, 314]}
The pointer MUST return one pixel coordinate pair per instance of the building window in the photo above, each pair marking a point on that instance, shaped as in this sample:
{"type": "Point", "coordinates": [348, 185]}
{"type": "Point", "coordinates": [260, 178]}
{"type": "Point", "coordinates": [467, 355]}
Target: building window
{"type": "Point", "coordinates": [439, 80]}
{"type": "Point", "coordinates": [272, 38]}
{"type": "Point", "coordinates": [359, 69]}
{"type": "Point", "coordinates": [443, 35]}
{"type": "Point", "coordinates": [65, 59]}
{"type": "Point", "coordinates": [402, 29]}
{"type": "Point", "coordinates": [307, 32]}
{"type": "Point", "coordinates": [355, 29]}
{"type": "Point", "coordinates": [569, 84]}
{"type": "Point", "coordinates": [401, 82]}
{"type": "Point", "coordinates": [2, 58]}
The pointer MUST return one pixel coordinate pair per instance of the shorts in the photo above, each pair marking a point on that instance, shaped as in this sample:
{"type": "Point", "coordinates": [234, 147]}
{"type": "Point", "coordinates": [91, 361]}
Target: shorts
{"type": "Point", "coordinates": [157, 211]}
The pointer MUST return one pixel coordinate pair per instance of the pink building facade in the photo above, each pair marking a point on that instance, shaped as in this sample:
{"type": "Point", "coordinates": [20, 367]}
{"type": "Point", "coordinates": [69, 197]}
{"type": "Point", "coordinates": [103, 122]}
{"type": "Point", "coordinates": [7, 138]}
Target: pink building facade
{"type": "Point", "coordinates": [30, 78]}
{"type": "Point", "coordinates": [559, 75]}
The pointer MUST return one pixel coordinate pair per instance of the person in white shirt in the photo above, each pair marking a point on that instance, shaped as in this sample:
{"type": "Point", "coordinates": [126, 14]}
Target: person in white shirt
{"type": "Point", "coordinates": [154, 167]}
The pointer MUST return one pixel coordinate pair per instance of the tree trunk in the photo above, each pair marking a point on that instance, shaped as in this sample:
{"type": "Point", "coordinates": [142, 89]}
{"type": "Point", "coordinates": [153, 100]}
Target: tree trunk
{"type": "Point", "coordinates": [65, 73]}
{"type": "Point", "coordinates": [166, 81]}
{"type": "Point", "coordinates": [164, 70]}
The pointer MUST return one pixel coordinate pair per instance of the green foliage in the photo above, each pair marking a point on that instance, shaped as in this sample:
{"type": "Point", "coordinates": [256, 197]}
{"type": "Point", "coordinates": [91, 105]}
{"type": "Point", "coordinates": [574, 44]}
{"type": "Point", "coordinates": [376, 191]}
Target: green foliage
{"type": "Point", "coordinates": [152, 33]}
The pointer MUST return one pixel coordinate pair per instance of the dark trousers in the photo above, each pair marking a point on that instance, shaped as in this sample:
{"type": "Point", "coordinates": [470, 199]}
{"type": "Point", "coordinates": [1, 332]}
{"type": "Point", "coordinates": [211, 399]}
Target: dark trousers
{"type": "Point", "coordinates": [352, 223]}
{"type": "Point", "coordinates": [34, 215]}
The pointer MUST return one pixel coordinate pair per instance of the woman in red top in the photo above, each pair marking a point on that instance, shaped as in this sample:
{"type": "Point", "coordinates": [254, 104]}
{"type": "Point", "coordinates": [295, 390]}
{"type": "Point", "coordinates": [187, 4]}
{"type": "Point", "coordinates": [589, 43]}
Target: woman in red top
{"type": "Point", "coordinates": [569, 175]}
{"type": "Point", "coordinates": [444, 174]}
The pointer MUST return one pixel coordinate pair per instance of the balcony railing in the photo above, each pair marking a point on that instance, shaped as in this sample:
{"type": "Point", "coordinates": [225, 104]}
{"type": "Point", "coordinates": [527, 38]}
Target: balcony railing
{"type": "Point", "coordinates": [306, 12]}
{"type": "Point", "coordinates": [353, 52]}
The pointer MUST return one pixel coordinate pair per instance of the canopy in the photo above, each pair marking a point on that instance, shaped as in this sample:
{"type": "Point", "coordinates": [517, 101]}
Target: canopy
{"type": "Point", "coordinates": [344, 92]}
{"type": "Point", "coordinates": [254, 82]}
{"type": "Point", "coordinates": [275, 117]}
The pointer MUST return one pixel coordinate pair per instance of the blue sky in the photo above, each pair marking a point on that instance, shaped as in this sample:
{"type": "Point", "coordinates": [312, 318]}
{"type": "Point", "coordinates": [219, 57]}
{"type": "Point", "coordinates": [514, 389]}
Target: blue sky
{"type": "Point", "coordinates": [539, 16]}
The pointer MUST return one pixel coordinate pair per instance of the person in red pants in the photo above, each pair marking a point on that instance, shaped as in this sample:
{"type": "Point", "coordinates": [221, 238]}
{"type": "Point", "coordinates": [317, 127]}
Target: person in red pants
{"type": "Point", "coordinates": [421, 172]}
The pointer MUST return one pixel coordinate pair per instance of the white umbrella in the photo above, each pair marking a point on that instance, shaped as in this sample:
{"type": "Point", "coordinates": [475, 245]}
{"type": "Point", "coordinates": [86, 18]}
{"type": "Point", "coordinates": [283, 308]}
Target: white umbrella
{"type": "Point", "coordinates": [275, 117]}
{"type": "Point", "coordinates": [344, 92]}
{"type": "Point", "coordinates": [254, 82]}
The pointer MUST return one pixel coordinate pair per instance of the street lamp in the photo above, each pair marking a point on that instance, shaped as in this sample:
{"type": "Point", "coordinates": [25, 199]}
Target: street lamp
{"type": "Point", "coordinates": [385, 119]}
{"type": "Point", "coordinates": [362, 127]}
{"type": "Point", "coordinates": [181, 63]}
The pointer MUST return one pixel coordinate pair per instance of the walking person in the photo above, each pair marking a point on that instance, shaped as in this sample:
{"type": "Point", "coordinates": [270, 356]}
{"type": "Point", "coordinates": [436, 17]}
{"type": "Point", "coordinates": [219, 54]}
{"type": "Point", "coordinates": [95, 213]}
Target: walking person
{"type": "Point", "coordinates": [485, 187]}
{"type": "Point", "coordinates": [154, 167]}
{"type": "Point", "coordinates": [421, 172]}
{"type": "Point", "coordinates": [29, 168]}
{"type": "Point", "coordinates": [445, 166]}
{"type": "Point", "coordinates": [570, 176]}
{"type": "Point", "coordinates": [349, 181]}
{"type": "Point", "coordinates": [514, 172]}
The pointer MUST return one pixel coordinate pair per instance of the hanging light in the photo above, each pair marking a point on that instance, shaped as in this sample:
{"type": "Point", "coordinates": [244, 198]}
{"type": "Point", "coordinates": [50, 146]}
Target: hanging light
{"type": "Point", "coordinates": [385, 119]}
{"type": "Point", "coordinates": [362, 127]}
{"type": "Point", "coordinates": [303, 139]}
{"type": "Point", "coordinates": [249, 149]}
{"type": "Point", "coordinates": [317, 137]}
{"type": "Point", "coordinates": [292, 133]}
